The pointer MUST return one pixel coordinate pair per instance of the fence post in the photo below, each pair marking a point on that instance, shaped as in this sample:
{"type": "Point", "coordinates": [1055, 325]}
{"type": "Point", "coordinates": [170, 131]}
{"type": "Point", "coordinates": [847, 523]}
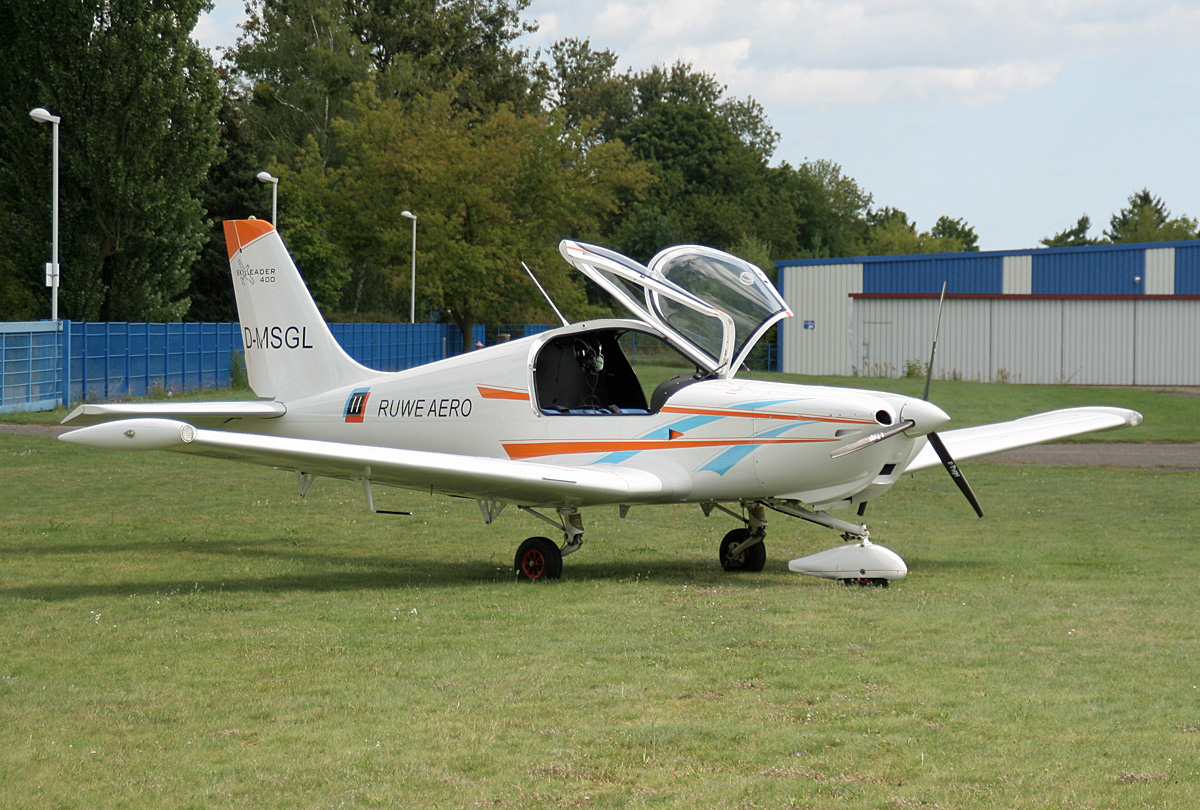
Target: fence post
{"type": "Point", "coordinates": [64, 361]}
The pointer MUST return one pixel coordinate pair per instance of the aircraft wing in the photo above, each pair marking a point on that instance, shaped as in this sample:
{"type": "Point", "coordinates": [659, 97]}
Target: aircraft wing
{"type": "Point", "coordinates": [524, 482]}
{"type": "Point", "coordinates": [984, 440]}
{"type": "Point", "coordinates": [203, 412]}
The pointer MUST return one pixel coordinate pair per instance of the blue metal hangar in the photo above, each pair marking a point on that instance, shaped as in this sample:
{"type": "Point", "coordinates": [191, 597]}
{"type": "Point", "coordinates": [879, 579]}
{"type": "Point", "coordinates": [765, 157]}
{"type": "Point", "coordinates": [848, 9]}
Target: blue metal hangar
{"type": "Point", "coordinates": [1126, 314]}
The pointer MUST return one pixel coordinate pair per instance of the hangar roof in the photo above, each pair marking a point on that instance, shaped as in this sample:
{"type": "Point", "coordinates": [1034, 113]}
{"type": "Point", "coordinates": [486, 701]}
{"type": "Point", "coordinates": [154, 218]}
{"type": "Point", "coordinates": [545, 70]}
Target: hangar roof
{"type": "Point", "coordinates": [1153, 268]}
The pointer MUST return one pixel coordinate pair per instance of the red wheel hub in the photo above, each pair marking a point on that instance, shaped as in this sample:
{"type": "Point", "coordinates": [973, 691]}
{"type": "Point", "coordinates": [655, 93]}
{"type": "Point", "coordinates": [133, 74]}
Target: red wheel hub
{"type": "Point", "coordinates": [533, 564]}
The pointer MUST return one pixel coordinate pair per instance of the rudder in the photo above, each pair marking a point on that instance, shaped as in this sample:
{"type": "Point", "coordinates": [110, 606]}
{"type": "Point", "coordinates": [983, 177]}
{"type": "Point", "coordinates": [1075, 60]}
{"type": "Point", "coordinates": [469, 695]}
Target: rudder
{"type": "Point", "coordinates": [290, 352]}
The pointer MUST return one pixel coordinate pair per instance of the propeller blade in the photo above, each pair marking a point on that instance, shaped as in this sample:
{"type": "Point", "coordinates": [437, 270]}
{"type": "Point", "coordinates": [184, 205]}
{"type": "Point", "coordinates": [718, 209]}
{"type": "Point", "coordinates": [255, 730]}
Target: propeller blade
{"type": "Point", "coordinates": [872, 438]}
{"type": "Point", "coordinates": [938, 445]}
{"type": "Point", "coordinates": [933, 351]}
{"type": "Point", "coordinates": [951, 467]}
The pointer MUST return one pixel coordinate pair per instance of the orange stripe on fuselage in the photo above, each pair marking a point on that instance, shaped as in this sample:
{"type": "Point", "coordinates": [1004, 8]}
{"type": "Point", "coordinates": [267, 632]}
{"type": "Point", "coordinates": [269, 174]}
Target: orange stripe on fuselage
{"type": "Point", "coordinates": [491, 392]}
{"type": "Point", "coordinates": [241, 232]}
{"type": "Point", "coordinates": [749, 414]}
{"type": "Point", "coordinates": [520, 450]}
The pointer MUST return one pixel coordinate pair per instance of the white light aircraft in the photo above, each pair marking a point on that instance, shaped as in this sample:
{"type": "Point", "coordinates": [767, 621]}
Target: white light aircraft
{"type": "Point", "coordinates": [559, 421]}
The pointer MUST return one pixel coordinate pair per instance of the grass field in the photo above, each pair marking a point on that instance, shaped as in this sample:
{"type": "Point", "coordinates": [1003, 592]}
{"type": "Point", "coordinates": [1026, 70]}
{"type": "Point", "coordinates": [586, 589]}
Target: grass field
{"type": "Point", "coordinates": [184, 633]}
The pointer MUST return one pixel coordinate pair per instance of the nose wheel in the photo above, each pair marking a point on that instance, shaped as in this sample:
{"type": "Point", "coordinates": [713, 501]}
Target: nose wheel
{"type": "Point", "coordinates": [744, 549]}
{"type": "Point", "coordinates": [735, 555]}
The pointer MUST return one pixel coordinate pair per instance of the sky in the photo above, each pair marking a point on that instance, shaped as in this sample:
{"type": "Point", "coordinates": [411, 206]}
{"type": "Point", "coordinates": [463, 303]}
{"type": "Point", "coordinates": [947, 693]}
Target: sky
{"type": "Point", "coordinates": [1017, 116]}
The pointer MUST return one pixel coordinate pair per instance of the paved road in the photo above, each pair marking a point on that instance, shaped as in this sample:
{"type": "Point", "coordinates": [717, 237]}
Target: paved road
{"type": "Point", "coordinates": [1129, 456]}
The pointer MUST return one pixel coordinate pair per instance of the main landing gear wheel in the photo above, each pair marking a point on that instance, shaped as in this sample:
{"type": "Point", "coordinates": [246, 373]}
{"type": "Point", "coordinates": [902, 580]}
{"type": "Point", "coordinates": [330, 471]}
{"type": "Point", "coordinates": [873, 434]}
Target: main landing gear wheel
{"type": "Point", "coordinates": [538, 558]}
{"type": "Point", "coordinates": [867, 582]}
{"type": "Point", "coordinates": [751, 559]}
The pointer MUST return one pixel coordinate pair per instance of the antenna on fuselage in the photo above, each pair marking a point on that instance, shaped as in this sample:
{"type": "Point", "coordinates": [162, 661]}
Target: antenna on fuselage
{"type": "Point", "coordinates": [549, 300]}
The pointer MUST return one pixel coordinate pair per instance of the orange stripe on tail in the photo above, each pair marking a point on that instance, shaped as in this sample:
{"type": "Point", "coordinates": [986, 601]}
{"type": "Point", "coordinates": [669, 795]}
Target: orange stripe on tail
{"type": "Point", "coordinates": [241, 232]}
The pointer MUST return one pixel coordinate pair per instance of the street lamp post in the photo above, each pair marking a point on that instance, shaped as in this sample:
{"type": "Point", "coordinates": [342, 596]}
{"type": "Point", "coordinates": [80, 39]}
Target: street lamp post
{"type": "Point", "coordinates": [265, 177]}
{"type": "Point", "coordinates": [43, 115]}
{"type": "Point", "coordinates": [412, 302]}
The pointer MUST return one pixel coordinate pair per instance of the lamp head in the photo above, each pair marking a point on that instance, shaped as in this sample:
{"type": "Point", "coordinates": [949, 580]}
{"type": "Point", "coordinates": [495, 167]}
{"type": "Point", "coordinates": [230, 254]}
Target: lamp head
{"type": "Point", "coordinates": [43, 115]}
{"type": "Point", "coordinates": [408, 215]}
{"type": "Point", "coordinates": [265, 177]}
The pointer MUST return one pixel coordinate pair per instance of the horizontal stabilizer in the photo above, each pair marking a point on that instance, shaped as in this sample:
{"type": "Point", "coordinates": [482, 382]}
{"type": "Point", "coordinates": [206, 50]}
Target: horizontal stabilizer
{"type": "Point", "coordinates": [984, 440]}
{"type": "Point", "coordinates": [199, 412]}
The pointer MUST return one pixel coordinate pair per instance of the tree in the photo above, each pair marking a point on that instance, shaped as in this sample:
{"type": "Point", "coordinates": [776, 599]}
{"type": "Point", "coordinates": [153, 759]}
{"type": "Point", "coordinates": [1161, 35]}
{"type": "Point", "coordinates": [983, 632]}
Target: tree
{"type": "Point", "coordinates": [891, 233]}
{"type": "Point", "coordinates": [1146, 219]}
{"type": "Point", "coordinates": [488, 192]}
{"type": "Point", "coordinates": [584, 85]}
{"type": "Point", "coordinates": [1073, 237]}
{"type": "Point", "coordinates": [418, 46]}
{"type": "Point", "coordinates": [300, 62]}
{"type": "Point", "coordinates": [952, 236]}
{"type": "Point", "coordinates": [230, 191]}
{"type": "Point", "coordinates": [708, 154]}
{"type": "Point", "coordinates": [138, 101]}
{"type": "Point", "coordinates": [826, 209]}
{"type": "Point", "coordinates": [297, 64]}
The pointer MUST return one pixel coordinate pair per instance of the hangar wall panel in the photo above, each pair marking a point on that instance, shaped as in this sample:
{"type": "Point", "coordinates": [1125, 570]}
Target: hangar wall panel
{"type": "Point", "coordinates": [1130, 341]}
{"type": "Point", "coordinates": [962, 273]}
{"type": "Point", "coordinates": [816, 339]}
{"type": "Point", "coordinates": [1167, 343]}
{"type": "Point", "coordinates": [1098, 342]}
{"type": "Point", "coordinates": [1187, 270]}
{"type": "Point", "coordinates": [1026, 340]}
{"type": "Point", "coordinates": [1159, 278]}
{"type": "Point", "coordinates": [1018, 275]}
{"type": "Point", "coordinates": [894, 337]}
{"type": "Point", "coordinates": [1108, 272]}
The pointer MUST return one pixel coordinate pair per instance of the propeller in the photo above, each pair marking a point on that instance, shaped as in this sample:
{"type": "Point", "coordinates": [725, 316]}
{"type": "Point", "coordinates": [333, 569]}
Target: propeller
{"type": "Point", "coordinates": [938, 445]}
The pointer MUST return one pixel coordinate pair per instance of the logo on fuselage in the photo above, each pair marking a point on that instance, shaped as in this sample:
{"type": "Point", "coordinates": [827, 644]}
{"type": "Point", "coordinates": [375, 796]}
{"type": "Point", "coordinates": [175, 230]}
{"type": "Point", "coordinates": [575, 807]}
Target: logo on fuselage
{"type": "Point", "coordinates": [356, 405]}
{"type": "Point", "coordinates": [421, 408]}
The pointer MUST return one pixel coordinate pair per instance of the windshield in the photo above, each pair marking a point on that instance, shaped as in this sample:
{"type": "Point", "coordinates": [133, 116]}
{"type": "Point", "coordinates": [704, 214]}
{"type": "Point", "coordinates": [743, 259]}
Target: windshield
{"type": "Point", "coordinates": [713, 306]}
{"type": "Point", "coordinates": [737, 288]}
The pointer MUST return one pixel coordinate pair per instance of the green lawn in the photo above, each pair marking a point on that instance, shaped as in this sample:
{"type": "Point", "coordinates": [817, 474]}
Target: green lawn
{"type": "Point", "coordinates": [184, 633]}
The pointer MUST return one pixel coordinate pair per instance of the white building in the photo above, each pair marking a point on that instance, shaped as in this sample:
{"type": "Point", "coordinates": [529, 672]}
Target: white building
{"type": "Point", "coordinates": [1102, 315]}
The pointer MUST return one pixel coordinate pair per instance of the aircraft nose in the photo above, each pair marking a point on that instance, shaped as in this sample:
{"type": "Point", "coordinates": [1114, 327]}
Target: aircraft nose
{"type": "Point", "coordinates": [927, 416]}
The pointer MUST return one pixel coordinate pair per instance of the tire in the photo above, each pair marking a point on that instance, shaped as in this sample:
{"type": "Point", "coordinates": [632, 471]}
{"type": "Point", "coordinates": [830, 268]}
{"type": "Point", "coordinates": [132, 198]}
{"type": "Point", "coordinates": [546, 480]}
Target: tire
{"type": "Point", "coordinates": [538, 559]}
{"type": "Point", "coordinates": [751, 560]}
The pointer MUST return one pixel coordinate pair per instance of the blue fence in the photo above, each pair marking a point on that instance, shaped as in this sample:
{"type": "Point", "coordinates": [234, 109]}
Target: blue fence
{"type": "Point", "coordinates": [30, 367]}
{"type": "Point", "coordinates": [114, 360]}
{"type": "Point", "coordinates": [44, 364]}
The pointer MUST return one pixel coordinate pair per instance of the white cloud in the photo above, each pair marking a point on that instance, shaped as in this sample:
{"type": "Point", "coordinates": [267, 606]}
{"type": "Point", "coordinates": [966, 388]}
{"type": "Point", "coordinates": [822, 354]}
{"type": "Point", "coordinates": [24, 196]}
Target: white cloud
{"type": "Point", "coordinates": [838, 53]}
{"type": "Point", "coordinates": [220, 27]}
{"type": "Point", "coordinates": [823, 89]}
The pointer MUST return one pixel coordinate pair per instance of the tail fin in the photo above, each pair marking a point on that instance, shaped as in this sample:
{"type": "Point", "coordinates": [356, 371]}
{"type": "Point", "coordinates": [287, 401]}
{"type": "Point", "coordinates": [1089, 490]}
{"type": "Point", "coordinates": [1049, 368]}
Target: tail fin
{"type": "Point", "coordinates": [290, 352]}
